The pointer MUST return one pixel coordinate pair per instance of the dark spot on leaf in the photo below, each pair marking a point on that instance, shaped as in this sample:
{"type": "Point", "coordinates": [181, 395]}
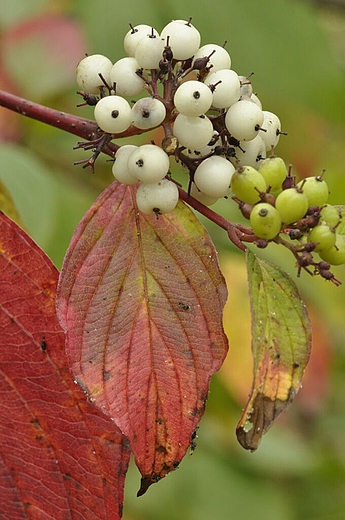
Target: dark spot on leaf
{"type": "Point", "coordinates": [195, 412]}
{"type": "Point", "coordinates": [183, 306]}
{"type": "Point", "coordinates": [106, 375]}
{"type": "Point", "coordinates": [295, 365]}
{"type": "Point", "coordinates": [39, 437]}
{"type": "Point", "coordinates": [43, 344]}
{"type": "Point", "coordinates": [175, 464]}
{"type": "Point", "coordinates": [35, 423]}
{"type": "Point", "coordinates": [159, 421]}
{"type": "Point", "coordinates": [126, 444]}
{"type": "Point", "coordinates": [161, 449]}
{"type": "Point", "coordinates": [67, 476]}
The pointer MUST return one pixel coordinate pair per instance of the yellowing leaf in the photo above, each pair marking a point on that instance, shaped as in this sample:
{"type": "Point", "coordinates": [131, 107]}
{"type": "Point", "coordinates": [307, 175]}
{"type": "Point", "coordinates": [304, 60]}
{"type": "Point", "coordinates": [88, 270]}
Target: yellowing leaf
{"type": "Point", "coordinates": [281, 343]}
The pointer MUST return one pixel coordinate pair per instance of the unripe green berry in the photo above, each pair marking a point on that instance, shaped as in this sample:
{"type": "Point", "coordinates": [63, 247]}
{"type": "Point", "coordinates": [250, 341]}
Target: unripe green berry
{"type": "Point", "coordinates": [336, 254]}
{"type": "Point", "coordinates": [330, 215]}
{"type": "Point", "coordinates": [316, 190]}
{"type": "Point", "coordinates": [323, 236]}
{"type": "Point", "coordinates": [247, 184]}
{"type": "Point", "coordinates": [265, 221]}
{"type": "Point", "coordinates": [273, 170]}
{"type": "Point", "coordinates": [292, 205]}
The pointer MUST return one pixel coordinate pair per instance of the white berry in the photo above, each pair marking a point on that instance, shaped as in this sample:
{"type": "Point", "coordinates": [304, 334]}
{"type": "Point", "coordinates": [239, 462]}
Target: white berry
{"type": "Point", "coordinates": [184, 39]}
{"type": "Point", "coordinates": [89, 70]}
{"type": "Point", "coordinates": [225, 86]}
{"type": "Point", "coordinates": [113, 114]}
{"type": "Point", "coordinates": [134, 35]}
{"type": "Point", "coordinates": [193, 132]}
{"type": "Point", "coordinates": [157, 198]}
{"type": "Point", "coordinates": [243, 120]}
{"type": "Point", "coordinates": [124, 75]}
{"type": "Point", "coordinates": [149, 52]}
{"type": "Point", "coordinates": [207, 200]}
{"type": "Point", "coordinates": [219, 59]}
{"type": "Point", "coordinates": [120, 167]}
{"type": "Point", "coordinates": [271, 124]}
{"type": "Point", "coordinates": [149, 163]}
{"type": "Point", "coordinates": [213, 176]}
{"type": "Point", "coordinates": [147, 113]}
{"type": "Point", "coordinates": [193, 98]}
{"type": "Point", "coordinates": [251, 153]}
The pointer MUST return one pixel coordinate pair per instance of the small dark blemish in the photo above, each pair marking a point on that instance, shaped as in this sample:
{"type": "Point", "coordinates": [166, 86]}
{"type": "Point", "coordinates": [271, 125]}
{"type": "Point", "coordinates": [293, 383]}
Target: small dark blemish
{"type": "Point", "coordinates": [295, 365]}
{"type": "Point", "coordinates": [184, 306]}
{"type": "Point", "coordinates": [106, 375]}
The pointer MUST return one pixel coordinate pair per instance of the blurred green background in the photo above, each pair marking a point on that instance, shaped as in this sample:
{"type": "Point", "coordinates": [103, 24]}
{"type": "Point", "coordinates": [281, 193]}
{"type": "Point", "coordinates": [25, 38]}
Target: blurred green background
{"type": "Point", "coordinates": [297, 51]}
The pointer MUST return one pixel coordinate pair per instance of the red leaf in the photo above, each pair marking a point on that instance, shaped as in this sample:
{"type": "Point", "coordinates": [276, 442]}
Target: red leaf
{"type": "Point", "coordinates": [141, 300]}
{"type": "Point", "coordinates": [61, 457]}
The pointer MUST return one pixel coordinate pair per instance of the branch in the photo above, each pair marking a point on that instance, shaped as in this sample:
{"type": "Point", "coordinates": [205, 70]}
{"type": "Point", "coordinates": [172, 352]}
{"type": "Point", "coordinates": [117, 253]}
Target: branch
{"type": "Point", "coordinates": [88, 130]}
{"type": "Point", "coordinates": [84, 128]}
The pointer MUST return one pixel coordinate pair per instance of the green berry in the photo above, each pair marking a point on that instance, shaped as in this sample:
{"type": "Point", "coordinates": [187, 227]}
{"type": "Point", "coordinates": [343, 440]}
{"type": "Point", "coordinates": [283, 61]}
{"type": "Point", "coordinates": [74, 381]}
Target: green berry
{"type": "Point", "coordinates": [336, 254]}
{"type": "Point", "coordinates": [247, 184]}
{"type": "Point", "coordinates": [323, 236]}
{"type": "Point", "coordinates": [330, 215]}
{"type": "Point", "coordinates": [273, 170]}
{"type": "Point", "coordinates": [316, 190]}
{"type": "Point", "coordinates": [292, 205]}
{"type": "Point", "coordinates": [265, 221]}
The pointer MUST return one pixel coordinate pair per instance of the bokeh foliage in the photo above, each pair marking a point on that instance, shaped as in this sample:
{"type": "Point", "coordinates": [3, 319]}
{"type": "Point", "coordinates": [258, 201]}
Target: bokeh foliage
{"type": "Point", "coordinates": [299, 470]}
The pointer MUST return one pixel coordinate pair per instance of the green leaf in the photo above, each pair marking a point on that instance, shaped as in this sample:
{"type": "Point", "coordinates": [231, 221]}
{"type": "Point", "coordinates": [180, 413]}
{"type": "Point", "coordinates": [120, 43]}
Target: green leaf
{"type": "Point", "coordinates": [281, 344]}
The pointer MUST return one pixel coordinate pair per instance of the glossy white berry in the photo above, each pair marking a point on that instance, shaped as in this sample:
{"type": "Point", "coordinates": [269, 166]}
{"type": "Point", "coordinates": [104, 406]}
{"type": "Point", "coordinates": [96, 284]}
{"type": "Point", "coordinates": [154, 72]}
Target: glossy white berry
{"type": "Point", "coordinates": [147, 113]}
{"type": "Point", "coordinates": [227, 87]}
{"type": "Point", "coordinates": [193, 98]}
{"type": "Point", "coordinates": [219, 57]}
{"type": "Point", "coordinates": [213, 176]}
{"type": "Point", "coordinates": [251, 153]}
{"type": "Point", "coordinates": [148, 163]}
{"type": "Point", "coordinates": [88, 70]}
{"type": "Point", "coordinates": [113, 114]}
{"type": "Point", "coordinates": [243, 120]}
{"type": "Point", "coordinates": [134, 35]}
{"type": "Point", "coordinates": [120, 167]}
{"type": "Point", "coordinates": [184, 39]}
{"type": "Point", "coordinates": [149, 51]}
{"type": "Point", "coordinates": [193, 132]}
{"type": "Point", "coordinates": [207, 200]}
{"type": "Point", "coordinates": [125, 77]}
{"type": "Point", "coordinates": [272, 125]}
{"type": "Point", "coordinates": [157, 198]}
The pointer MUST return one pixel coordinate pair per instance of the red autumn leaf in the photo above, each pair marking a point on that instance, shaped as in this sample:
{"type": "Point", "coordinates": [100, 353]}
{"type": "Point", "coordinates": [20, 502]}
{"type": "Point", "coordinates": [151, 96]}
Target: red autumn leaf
{"type": "Point", "coordinates": [61, 457]}
{"type": "Point", "coordinates": [141, 300]}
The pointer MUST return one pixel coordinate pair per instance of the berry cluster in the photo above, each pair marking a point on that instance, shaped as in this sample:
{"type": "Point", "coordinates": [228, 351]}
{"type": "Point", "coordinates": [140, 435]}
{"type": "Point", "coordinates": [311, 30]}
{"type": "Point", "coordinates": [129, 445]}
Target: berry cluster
{"type": "Point", "coordinates": [214, 125]}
